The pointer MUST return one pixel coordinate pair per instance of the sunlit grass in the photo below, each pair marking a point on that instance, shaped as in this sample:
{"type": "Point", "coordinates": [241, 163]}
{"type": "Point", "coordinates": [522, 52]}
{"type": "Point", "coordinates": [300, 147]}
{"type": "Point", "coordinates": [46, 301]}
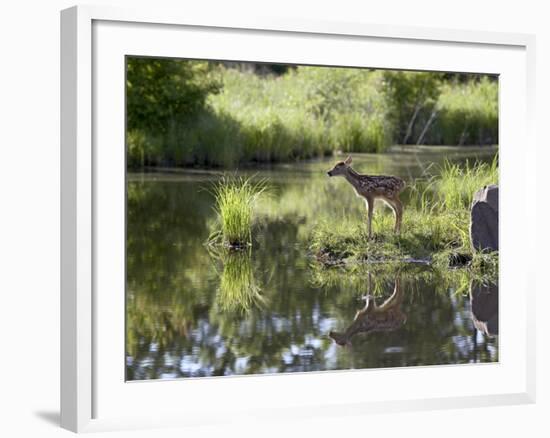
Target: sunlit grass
{"type": "Point", "coordinates": [435, 226]}
{"type": "Point", "coordinates": [421, 236]}
{"type": "Point", "coordinates": [235, 200]}
{"type": "Point", "coordinates": [305, 113]}
{"type": "Point", "coordinates": [457, 184]}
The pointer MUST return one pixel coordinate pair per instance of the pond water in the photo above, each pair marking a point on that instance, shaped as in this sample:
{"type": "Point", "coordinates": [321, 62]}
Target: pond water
{"type": "Point", "coordinates": [192, 313]}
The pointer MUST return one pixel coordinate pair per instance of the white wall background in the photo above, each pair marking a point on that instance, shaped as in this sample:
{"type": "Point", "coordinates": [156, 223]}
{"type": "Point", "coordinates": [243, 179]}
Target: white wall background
{"type": "Point", "coordinates": [29, 214]}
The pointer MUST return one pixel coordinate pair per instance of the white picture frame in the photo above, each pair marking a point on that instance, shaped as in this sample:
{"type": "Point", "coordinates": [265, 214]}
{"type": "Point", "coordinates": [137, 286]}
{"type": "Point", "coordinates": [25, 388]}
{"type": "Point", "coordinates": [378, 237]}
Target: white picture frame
{"type": "Point", "coordinates": [93, 39]}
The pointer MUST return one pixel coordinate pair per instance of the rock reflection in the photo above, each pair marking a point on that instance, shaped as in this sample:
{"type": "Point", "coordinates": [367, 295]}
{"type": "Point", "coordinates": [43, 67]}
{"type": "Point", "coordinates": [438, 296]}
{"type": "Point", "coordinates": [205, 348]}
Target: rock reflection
{"type": "Point", "coordinates": [484, 307]}
{"type": "Point", "coordinates": [374, 318]}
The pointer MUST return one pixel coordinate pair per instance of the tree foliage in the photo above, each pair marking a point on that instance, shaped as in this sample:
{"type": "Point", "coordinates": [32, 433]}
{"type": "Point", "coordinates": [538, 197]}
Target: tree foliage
{"type": "Point", "coordinates": [163, 92]}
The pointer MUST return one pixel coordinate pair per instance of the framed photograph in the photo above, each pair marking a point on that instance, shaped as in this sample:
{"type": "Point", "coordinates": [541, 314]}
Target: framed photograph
{"type": "Point", "coordinates": [273, 218]}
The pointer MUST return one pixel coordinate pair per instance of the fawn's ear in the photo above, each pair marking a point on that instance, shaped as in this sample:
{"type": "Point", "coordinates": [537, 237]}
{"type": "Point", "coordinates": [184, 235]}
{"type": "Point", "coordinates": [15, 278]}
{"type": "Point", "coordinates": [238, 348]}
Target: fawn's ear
{"type": "Point", "coordinates": [347, 161]}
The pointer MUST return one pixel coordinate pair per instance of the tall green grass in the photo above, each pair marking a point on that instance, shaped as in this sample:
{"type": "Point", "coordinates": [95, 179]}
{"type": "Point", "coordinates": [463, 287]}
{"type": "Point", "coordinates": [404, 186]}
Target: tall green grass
{"type": "Point", "coordinates": [468, 114]}
{"type": "Point", "coordinates": [235, 200]}
{"type": "Point", "coordinates": [314, 111]}
{"type": "Point", "coordinates": [453, 186]}
{"type": "Point", "coordinates": [305, 113]}
{"type": "Point", "coordinates": [457, 184]}
{"type": "Point", "coordinates": [308, 112]}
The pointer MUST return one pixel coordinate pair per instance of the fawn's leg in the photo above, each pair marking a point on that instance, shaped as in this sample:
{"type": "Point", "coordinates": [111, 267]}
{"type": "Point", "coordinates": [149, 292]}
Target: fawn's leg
{"type": "Point", "coordinates": [398, 214]}
{"type": "Point", "coordinates": [396, 297]}
{"type": "Point", "coordinates": [370, 208]}
{"type": "Point", "coordinates": [397, 207]}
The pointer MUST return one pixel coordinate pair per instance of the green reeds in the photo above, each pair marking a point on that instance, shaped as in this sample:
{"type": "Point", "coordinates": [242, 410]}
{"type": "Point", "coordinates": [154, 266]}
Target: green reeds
{"type": "Point", "coordinates": [235, 200]}
{"type": "Point", "coordinates": [468, 114]}
{"type": "Point", "coordinates": [305, 113]}
{"type": "Point", "coordinates": [457, 184]}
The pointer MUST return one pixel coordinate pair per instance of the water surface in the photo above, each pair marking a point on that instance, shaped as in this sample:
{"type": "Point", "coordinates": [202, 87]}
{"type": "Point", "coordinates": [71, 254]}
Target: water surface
{"type": "Point", "coordinates": [191, 313]}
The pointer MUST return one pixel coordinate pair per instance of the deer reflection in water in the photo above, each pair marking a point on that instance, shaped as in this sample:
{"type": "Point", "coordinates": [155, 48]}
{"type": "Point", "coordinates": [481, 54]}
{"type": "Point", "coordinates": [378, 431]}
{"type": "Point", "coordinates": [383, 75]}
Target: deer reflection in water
{"type": "Point", "coordinates": [374, 318]}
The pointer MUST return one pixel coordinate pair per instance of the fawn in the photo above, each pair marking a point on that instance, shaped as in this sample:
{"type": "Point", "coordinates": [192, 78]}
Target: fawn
{"type": "Point", "coordinates": [371, 318]}
{"type": "Point", "coordinates": [371, 187]}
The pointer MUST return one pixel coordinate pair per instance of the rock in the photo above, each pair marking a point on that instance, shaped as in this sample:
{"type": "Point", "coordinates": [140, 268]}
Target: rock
{"type": "Point", "coordinates": [484, 301]}
{"type": "Point", "coordinates": [484, 219]}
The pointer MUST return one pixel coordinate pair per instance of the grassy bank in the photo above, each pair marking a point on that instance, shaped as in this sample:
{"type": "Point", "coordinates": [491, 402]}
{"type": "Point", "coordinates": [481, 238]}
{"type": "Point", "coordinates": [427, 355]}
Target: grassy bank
{"type": "Point", "coordinates": [313, 111]}
{"type": "Point", "coordinates": [435, 228]}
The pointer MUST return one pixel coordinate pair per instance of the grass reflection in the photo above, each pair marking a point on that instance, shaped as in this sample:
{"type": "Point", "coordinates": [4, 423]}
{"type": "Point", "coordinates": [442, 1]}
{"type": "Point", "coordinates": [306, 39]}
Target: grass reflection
{"type": "Point", "coordinates": [238, 290]}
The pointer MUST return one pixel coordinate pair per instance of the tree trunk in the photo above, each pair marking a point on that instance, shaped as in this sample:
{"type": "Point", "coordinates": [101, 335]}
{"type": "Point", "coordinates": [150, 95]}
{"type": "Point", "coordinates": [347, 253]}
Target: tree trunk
{"type": "Point", "coordinates": [433, 115]}
{"type": "Point", "coordinates": [408, 133]}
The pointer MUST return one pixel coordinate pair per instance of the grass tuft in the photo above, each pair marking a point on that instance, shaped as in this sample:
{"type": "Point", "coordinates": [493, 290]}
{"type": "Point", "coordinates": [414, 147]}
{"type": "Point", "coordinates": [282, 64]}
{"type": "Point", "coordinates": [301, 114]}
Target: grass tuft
{"type": "Point", "coordinates": [235, 200]}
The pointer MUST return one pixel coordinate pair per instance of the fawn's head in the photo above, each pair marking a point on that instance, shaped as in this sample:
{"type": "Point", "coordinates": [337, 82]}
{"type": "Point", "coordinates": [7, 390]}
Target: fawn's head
{"type": "Point", "coordinates": [340, 168]}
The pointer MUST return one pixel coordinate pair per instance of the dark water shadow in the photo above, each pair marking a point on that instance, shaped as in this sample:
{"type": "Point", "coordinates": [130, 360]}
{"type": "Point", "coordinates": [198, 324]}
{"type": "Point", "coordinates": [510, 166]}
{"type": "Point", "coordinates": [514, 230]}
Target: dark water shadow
{"type": "Point", "coordinates": [51, 417]}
